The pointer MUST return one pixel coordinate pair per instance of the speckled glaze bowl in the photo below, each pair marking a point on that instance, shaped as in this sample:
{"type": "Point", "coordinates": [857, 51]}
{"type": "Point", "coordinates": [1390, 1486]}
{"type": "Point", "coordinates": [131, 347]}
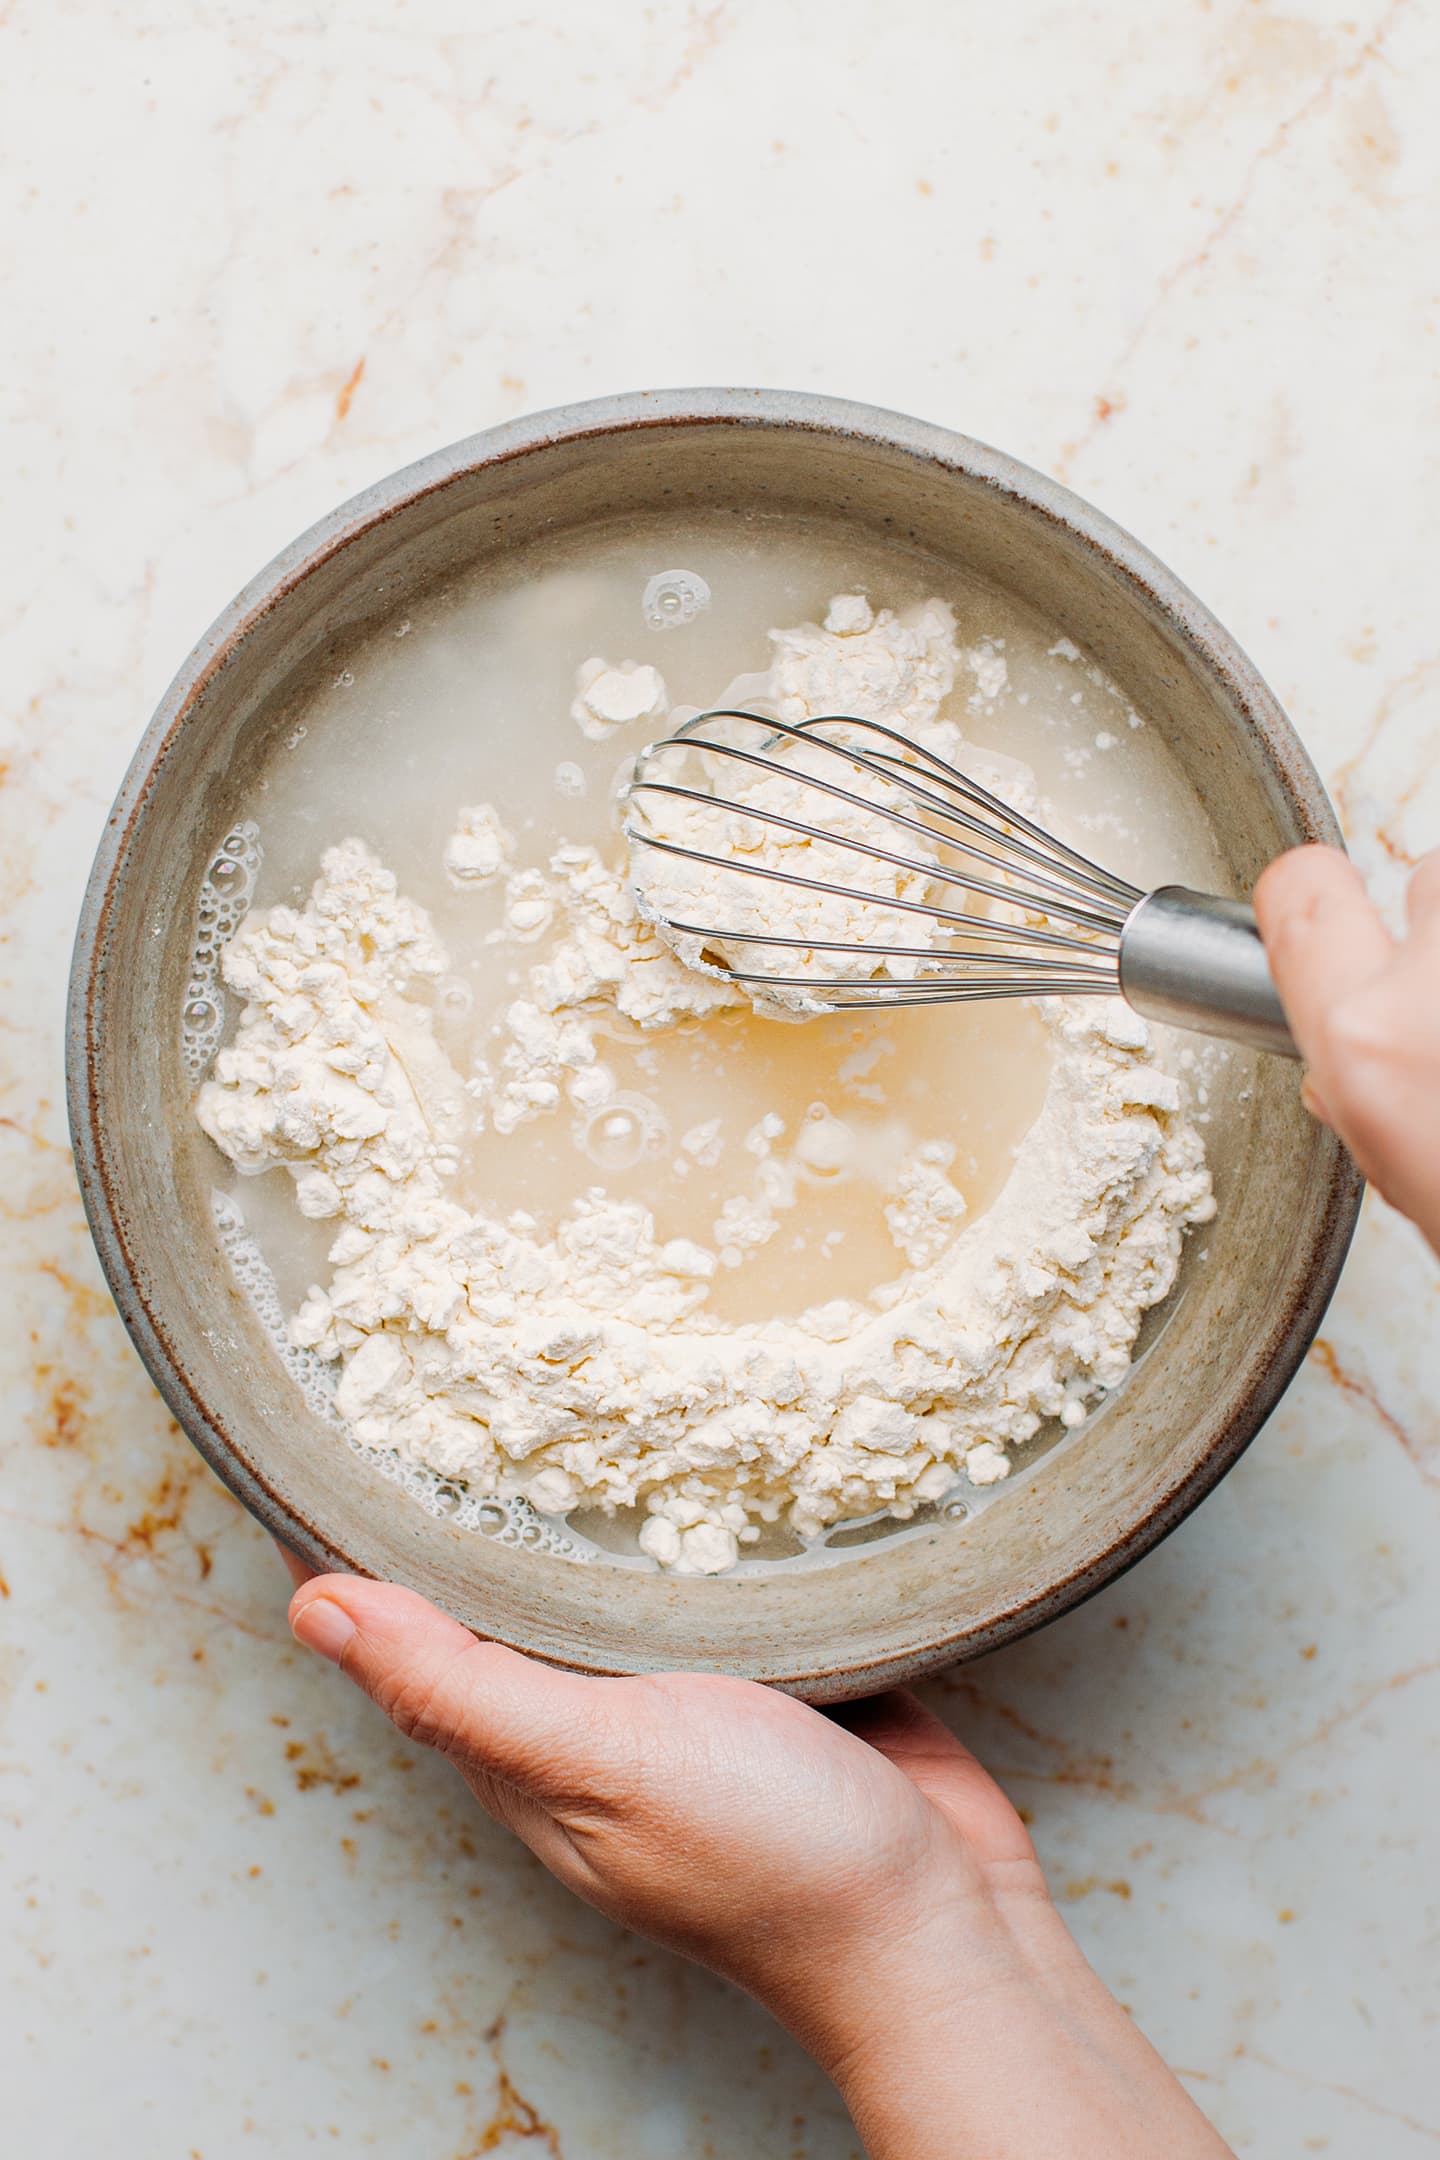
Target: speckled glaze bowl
{"type": "Point", "coordinates": [1231, 1336]}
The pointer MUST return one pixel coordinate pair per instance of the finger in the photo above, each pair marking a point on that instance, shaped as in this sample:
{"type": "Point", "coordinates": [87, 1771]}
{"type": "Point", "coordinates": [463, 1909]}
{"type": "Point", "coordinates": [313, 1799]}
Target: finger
{"type": "Point", "coordinates": [1422, 895]}
{"type": "Point", "coordinates": [1323, 937]}
{"type": "Point", "coordinates": [486, 1707]}
{"type": "Point", "coordinates": [295, 1567]}
{"type": "Point", "coordinates": [1314, 1101]}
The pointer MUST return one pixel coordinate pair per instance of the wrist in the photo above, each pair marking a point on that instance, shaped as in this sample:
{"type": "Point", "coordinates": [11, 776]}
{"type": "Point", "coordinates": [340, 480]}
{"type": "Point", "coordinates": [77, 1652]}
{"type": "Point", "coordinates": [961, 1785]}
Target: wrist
{"type": "Point", "coordinates": [932, 1980]}
{"type": "Point", "coordinates": [985, 2034]}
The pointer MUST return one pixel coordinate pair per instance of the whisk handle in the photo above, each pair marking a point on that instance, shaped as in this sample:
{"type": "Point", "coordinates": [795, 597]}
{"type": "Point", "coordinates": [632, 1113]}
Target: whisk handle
{"type": "Point", "coordinates": [1195, 961]}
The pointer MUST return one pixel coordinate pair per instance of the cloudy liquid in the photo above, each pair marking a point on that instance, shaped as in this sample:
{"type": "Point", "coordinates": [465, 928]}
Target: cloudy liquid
{"type": "Point", "coordinates": [467, 700]}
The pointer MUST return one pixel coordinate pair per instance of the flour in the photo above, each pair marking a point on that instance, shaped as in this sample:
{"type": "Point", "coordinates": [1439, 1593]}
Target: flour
{"type": "Point", "coordinates": [895, 668]}
{"type": "Point", "coordinates": [578, 1364]}
{"type": "Point", "coordinates": [479, 848]}
{"type": "Point", "coordinates": [607, 698]}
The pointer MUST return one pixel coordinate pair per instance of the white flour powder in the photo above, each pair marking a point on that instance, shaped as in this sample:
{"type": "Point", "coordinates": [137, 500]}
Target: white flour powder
{"type": "Point", "coordinates": [582, 1367]}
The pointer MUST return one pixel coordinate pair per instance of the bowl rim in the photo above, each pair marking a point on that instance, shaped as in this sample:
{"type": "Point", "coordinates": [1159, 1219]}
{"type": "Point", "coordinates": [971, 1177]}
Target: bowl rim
{"type": "Point", "coordinates": [1034, 493]}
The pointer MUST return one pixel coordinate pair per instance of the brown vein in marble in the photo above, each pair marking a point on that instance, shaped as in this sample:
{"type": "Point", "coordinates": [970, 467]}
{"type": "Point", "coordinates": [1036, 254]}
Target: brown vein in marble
{"type": "Point", "coordinates": [125, 1551]}
{"type": "Point", "coordinates": [1113, 399]}
{"type": "Point", "coordinates": [1339, 2092]}
{"type": "Point", "coordinates": [707, 27]}
{"type": "Point", "coordinates": [344, 401]}
{"type": "Point", "coordinates": [1342, 780]}
{"type": "Point", "coordinates": [514, 2115]}
{"type": "Point", "coordinates": [36, 1139]}
{"type": "Point", "coordinates": [1079, 1771]}
{"type": "Point", "coordinates": [1268, 1766]}
{"type": "Point", "coordinates": [1323, 1354]}
{"type": "Point", "coordinates": [1097, 1773]}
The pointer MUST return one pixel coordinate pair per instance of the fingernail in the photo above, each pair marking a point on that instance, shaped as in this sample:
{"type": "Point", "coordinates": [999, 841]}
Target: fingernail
{"type": "Point", "coordinates": [324, 1626]}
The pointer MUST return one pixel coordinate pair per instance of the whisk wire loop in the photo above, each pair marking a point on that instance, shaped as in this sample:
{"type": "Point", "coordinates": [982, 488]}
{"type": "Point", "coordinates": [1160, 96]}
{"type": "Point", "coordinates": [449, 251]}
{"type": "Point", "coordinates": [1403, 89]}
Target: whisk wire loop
{"type": "Point", "coordinates": [898, 767]}
{"type": "Point", "coordinates": [987, 955]}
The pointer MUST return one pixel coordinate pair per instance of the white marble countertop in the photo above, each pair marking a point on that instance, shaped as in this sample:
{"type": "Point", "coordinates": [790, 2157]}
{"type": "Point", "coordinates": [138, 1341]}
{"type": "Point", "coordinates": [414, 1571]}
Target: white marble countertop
{"type": "Point", "coordinates": [1184, 253]}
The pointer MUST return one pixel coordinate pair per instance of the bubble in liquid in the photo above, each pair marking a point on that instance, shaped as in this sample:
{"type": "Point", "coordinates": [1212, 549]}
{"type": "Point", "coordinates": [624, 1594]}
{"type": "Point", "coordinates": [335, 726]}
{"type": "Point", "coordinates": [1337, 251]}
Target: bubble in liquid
{"type": "Point", "coordinates": [622, 1132]}
{"type": "Point", "coordinates": [673, 597]}
{"type": "Point", "coordinates": [220, 908]}
{"type": "Point", "coordinates": [454, 996]}
{"type": "Point", "coordinates": [955, 1511]}
{"type": "Point", "coordinates": [825, 1144]}
{"type": "Point", "coordinates": [314, 1377]}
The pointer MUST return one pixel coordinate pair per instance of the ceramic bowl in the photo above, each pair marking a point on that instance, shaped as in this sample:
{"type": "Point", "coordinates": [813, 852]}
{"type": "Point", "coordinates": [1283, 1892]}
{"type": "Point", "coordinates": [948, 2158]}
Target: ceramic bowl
{"type": "Point", "coordinates": [1230, 1338]}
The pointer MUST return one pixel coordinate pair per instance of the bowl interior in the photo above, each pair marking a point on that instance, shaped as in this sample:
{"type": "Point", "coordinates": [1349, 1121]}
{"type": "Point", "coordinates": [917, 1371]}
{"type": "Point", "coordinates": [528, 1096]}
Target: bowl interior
{"type": "Point", "coordinates": [1230, 1337]}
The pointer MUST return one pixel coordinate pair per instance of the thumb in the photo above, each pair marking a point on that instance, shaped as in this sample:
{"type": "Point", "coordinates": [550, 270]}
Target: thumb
{"type": "Point", "coordinates": [1323, 937]}
{"type": "Point", "coordinates": [504, 1720]}
{"type": "Point", "coordinates": [899, 1727]}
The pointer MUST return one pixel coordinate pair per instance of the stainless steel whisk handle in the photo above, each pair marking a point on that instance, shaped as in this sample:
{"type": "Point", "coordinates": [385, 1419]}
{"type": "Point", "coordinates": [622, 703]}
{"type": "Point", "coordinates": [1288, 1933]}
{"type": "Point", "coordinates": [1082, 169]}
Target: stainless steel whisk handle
{"type": "Point", "coordinates": [1194, 961]}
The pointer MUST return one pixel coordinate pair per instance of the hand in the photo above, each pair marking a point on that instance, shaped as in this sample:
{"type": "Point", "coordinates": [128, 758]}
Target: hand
{"type": "Point", "coordinates": [859, 1873]}
{"type": "Point", "coordinates": [1365, 1009]}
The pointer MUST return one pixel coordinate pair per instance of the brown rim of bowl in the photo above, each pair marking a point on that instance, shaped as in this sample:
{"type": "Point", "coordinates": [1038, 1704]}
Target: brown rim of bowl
{"type": "Point", "coordinates": [938, 448]}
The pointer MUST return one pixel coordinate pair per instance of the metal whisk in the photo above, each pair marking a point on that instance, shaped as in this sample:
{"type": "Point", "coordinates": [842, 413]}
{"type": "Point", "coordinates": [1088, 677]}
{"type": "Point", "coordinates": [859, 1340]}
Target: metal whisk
{"type": "Point", "coordinates": [1066, 926]}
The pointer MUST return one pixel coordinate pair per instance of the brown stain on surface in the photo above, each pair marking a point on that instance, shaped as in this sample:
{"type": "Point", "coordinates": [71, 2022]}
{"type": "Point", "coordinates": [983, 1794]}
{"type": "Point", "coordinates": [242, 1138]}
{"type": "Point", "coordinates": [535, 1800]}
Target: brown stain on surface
{"type": "Point", "coordinates": [1370, 149]}
{"type": "Point", "coordinates": [1323, 1354]}
{"type": "Point", "coordinates": [36, 1139]}
{"type": "Point", "coordinates": [163, 1512]}
{"type": "Point", "coordinates": [87, 1302]}
{"type": "Point", "coordinates": [347, 395]}
{"type": "Point", "coordinates": [314, 1764]}
{"type": "Point", "coordinates": [1083, 1888]}
{"type": "Point", "coordinates": [706, 27]}
{"type": "Point", "coordinates": [64, 1420]}
{"type": "Point", "coordinates": [514, 2116]}
{"type": "Point", "coordinates": [1395, 699]}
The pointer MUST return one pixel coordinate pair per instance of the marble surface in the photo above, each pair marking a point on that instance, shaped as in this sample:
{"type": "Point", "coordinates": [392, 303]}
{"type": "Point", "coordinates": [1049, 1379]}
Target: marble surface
{"type": "Point", "coordinates": [1181, 252]}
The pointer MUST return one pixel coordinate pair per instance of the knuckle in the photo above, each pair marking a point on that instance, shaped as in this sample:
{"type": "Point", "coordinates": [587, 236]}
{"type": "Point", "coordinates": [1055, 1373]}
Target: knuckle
{"type": "Point", "coordinates": [415, 1703]}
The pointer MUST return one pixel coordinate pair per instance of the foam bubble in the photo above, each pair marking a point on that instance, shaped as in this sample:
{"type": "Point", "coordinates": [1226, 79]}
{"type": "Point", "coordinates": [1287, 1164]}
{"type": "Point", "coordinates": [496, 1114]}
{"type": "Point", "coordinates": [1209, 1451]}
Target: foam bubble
{"type": "Point", "coordinates": [222, 905]}
{"type": "Point", "coordinates": [673, 597]}
{"type": "Point", "coordinates": [315, 1376]}
{"type": "Point", "coordinates": [623, 1131]}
